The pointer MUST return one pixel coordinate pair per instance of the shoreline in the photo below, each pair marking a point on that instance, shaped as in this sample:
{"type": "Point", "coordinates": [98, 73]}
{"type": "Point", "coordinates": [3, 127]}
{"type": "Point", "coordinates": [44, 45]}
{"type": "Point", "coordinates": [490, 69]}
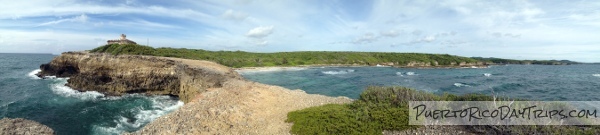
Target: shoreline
{"type": "Point", "coordinates": [302, 67]}
{"type": "Point", "coordinates": [218, 100]}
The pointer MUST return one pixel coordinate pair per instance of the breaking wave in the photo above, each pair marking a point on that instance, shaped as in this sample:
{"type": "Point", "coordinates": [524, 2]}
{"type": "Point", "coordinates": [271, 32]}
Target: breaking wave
{"type": "Point", "coordinates": [596, 75]}
{"type": "Point", "coordinates": [32, 74]}
{"type": "Point", "coordinates": [399, 74]}
{"type": "Point", "coordinates": [161, 105]}
{"type": "Point", "coordinates": [487, 74]}
{"type": "Point", "coordinates": [406, 73]}
{"type": "Point", "coordinates": [59, 88]}
{"type": "Point", "coordinates": [143, 115]}
{"type": "Point", "coordinates": [337, 72]}
{"type": "Point", "coordinates": [461, 85]}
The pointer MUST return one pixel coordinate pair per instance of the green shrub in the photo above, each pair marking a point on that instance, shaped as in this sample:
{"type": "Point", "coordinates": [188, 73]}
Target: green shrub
{"type": "Point", "coordinates": [386, 108]}
{"type": "Point", "coordinates": [132, 49]}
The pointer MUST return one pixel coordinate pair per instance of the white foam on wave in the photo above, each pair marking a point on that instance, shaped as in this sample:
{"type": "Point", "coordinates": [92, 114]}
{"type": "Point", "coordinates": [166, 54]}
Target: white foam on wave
{"type": "Point", "coordinates": [461, 85]}
{"type": "Point", "coordinates": [487, 74]}
{"type": "Point", "coordinates": [161, 105]}
{"type": "Point", "coordinates": [399, 74]}
{"type": "Point", "coordinates": [406, 73]}
{"type": "Point", "coordinates": [596, 75]}
{"type": "Point", "coordinates": [411, 73]}
{"type": "Point", "coordinates": [338, 72]}
{"type": "Point", "coordinates": [58, 87]}
{"type": "Point", "coordinates": [32, 74]}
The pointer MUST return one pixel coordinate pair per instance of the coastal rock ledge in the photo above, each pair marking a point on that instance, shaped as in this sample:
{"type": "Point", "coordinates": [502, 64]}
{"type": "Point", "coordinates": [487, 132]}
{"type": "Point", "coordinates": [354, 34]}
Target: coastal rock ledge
{"type": "Point", "coordinates": [218, 100]}
{"type": "Point", "coordinates": [19, 126]}
{"type": "Point", "coordinates": [117, 75]}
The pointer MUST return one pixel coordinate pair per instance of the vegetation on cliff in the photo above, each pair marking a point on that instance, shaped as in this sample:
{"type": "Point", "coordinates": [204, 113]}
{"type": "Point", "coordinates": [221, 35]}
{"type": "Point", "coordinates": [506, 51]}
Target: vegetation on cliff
{"type": "Point", "coordinates": [537, 62]}
{"type": "Point", "coordinates": [386, 108]}
{"type": "Point", "coordinates": [248, 59]}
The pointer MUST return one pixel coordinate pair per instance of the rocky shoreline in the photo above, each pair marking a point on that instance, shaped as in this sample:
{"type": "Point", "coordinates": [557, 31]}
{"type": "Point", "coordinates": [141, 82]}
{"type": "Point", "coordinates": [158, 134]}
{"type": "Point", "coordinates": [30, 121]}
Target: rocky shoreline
{"type": "Point", "coordinates": [117, 75]}
{"type": "Point", "coordinates": [478, 65]}
{"type": "Point", "coordinates": [218, 100]}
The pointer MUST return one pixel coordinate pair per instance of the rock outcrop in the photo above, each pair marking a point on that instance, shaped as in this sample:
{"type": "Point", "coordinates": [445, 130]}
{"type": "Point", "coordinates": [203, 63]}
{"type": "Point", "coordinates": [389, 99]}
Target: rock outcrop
{"type": "Point", "coordinates": [123, 74]}
{"type": "Point", "coordinates": [19, 126]}
{"type": "Point", "coordinates": [218, 100]}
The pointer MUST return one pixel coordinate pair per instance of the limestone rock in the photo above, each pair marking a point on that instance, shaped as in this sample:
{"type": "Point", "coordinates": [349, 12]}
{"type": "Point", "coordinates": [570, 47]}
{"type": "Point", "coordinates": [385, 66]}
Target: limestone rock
{"type": "Point", "coordinates": [122, 74]}
{"type": "Point", "coordinates": [19, 126]}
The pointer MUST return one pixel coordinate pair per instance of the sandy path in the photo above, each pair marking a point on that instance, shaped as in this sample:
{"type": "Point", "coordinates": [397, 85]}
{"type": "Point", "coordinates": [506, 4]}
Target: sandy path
{"type": "Point", "coordinates": [240, 107]}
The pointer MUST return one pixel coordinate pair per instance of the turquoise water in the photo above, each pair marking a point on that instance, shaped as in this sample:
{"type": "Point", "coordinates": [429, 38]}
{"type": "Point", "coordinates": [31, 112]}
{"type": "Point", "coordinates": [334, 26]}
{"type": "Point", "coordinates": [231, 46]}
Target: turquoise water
{"type": "Point", "coordinates": [535, 82]}
{"type": "Point", "coordinates": [66, 111]}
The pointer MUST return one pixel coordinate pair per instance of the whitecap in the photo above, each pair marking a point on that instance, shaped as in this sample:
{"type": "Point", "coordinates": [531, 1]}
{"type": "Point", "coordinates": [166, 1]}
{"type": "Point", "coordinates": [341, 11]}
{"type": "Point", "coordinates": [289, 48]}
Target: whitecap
{"type": "Point", "coordinates": [32, 74]}
{"type": "Point", "coordinates": [59, 88]}
{"type": "Point", "coordinates": [596, 75]}
{"type": "Point", "coordinates": [411, 73]}
{"type": "Point", "coordinates": [487, 74]}
{"type": "Point", "coordinates": [399, 74]}
{"type": "Point", "coordinates": [461, 85]}
{"type": "Point", "coordinates": [337, 72]}
{"type": "Point", "coordinates": [160, 106]}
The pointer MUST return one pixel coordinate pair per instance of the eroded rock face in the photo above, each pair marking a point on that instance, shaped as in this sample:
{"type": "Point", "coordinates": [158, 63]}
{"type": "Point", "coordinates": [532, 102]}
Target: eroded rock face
{"type": "Point", "coordinates": [21, 126]}
{"type": "Point", "coordinates": [123, 74]}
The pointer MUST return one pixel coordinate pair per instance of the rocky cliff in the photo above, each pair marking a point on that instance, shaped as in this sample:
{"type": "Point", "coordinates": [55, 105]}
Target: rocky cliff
{"type": "Point", "coordinates": [122, 74]}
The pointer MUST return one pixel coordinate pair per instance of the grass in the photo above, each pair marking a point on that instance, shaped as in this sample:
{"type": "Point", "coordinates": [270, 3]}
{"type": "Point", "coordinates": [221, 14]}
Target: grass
{"type": "Point", "coordinates": [386, 108]}
{"type": "Point", "coordinates": [247, 59]}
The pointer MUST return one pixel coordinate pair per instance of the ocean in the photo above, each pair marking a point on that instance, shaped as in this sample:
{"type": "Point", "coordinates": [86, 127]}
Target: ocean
{"type": "Point", "coordinates": [66, 111]}
{"type": "Point", "coordinates": [532, 82]}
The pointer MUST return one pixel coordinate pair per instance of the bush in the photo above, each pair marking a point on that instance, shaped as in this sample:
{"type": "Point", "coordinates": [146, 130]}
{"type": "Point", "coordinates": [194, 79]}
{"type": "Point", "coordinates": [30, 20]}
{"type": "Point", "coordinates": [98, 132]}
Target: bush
{"type": "Point", "coordinates": [386, 108]}
{"type": "Point", "coordinates": [132, 49]}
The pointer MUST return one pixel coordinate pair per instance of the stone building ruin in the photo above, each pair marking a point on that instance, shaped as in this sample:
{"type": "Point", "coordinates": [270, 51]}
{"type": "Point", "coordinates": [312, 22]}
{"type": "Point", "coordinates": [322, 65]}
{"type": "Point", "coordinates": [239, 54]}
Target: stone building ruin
{"type": "Point", "coordinates": [123, 40]}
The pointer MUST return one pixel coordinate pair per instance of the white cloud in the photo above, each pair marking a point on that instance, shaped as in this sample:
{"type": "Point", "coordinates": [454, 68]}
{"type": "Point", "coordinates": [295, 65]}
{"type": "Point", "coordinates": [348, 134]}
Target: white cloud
{"type": "Point", "coordinates": [81, 18]}
{"type": "Point", "coordinates": [428, 39]}
{"type": "Point", "coordinates": [509, 35]}
{"type": "Point", "coordinates": [366, 38]}
{"type": "Point", "coordinates": [260, 32]}
{"type": "Point", "coordinates": [234, 15]}
{"type": "Point", "coordinates": [390, 33]}
{"type": "Point", "coordinates": [262, 43]}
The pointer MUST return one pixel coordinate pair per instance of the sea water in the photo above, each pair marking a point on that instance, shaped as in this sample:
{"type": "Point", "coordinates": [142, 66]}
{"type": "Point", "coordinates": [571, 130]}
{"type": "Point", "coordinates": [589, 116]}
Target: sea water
{"type": "Point", "coordinates": [67, 111]}
{"type": "Point", "coordinates": [534, 82]}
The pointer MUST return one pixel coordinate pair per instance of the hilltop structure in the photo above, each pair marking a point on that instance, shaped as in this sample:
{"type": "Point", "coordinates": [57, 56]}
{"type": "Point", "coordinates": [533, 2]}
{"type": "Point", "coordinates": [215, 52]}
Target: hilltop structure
{"type": "Point", "coordinates": [121, 41]}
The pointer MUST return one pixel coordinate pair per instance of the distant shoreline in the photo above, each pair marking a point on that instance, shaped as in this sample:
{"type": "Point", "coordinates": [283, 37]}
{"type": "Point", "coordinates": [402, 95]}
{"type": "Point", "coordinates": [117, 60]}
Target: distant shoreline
{"type": "Point", "coordinates": [301, 67]}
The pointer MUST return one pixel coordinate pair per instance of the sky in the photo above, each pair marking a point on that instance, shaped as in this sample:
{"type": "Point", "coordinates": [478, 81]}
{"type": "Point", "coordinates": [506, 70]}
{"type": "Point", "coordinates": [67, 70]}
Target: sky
{"type": "Point", "coordinates": [515, 29]}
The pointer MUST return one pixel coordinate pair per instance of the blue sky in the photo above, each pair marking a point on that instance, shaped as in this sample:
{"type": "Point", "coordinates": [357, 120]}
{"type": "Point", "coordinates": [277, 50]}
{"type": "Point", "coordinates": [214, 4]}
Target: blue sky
{"type": "Point", "coordinates": [517, 29]}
